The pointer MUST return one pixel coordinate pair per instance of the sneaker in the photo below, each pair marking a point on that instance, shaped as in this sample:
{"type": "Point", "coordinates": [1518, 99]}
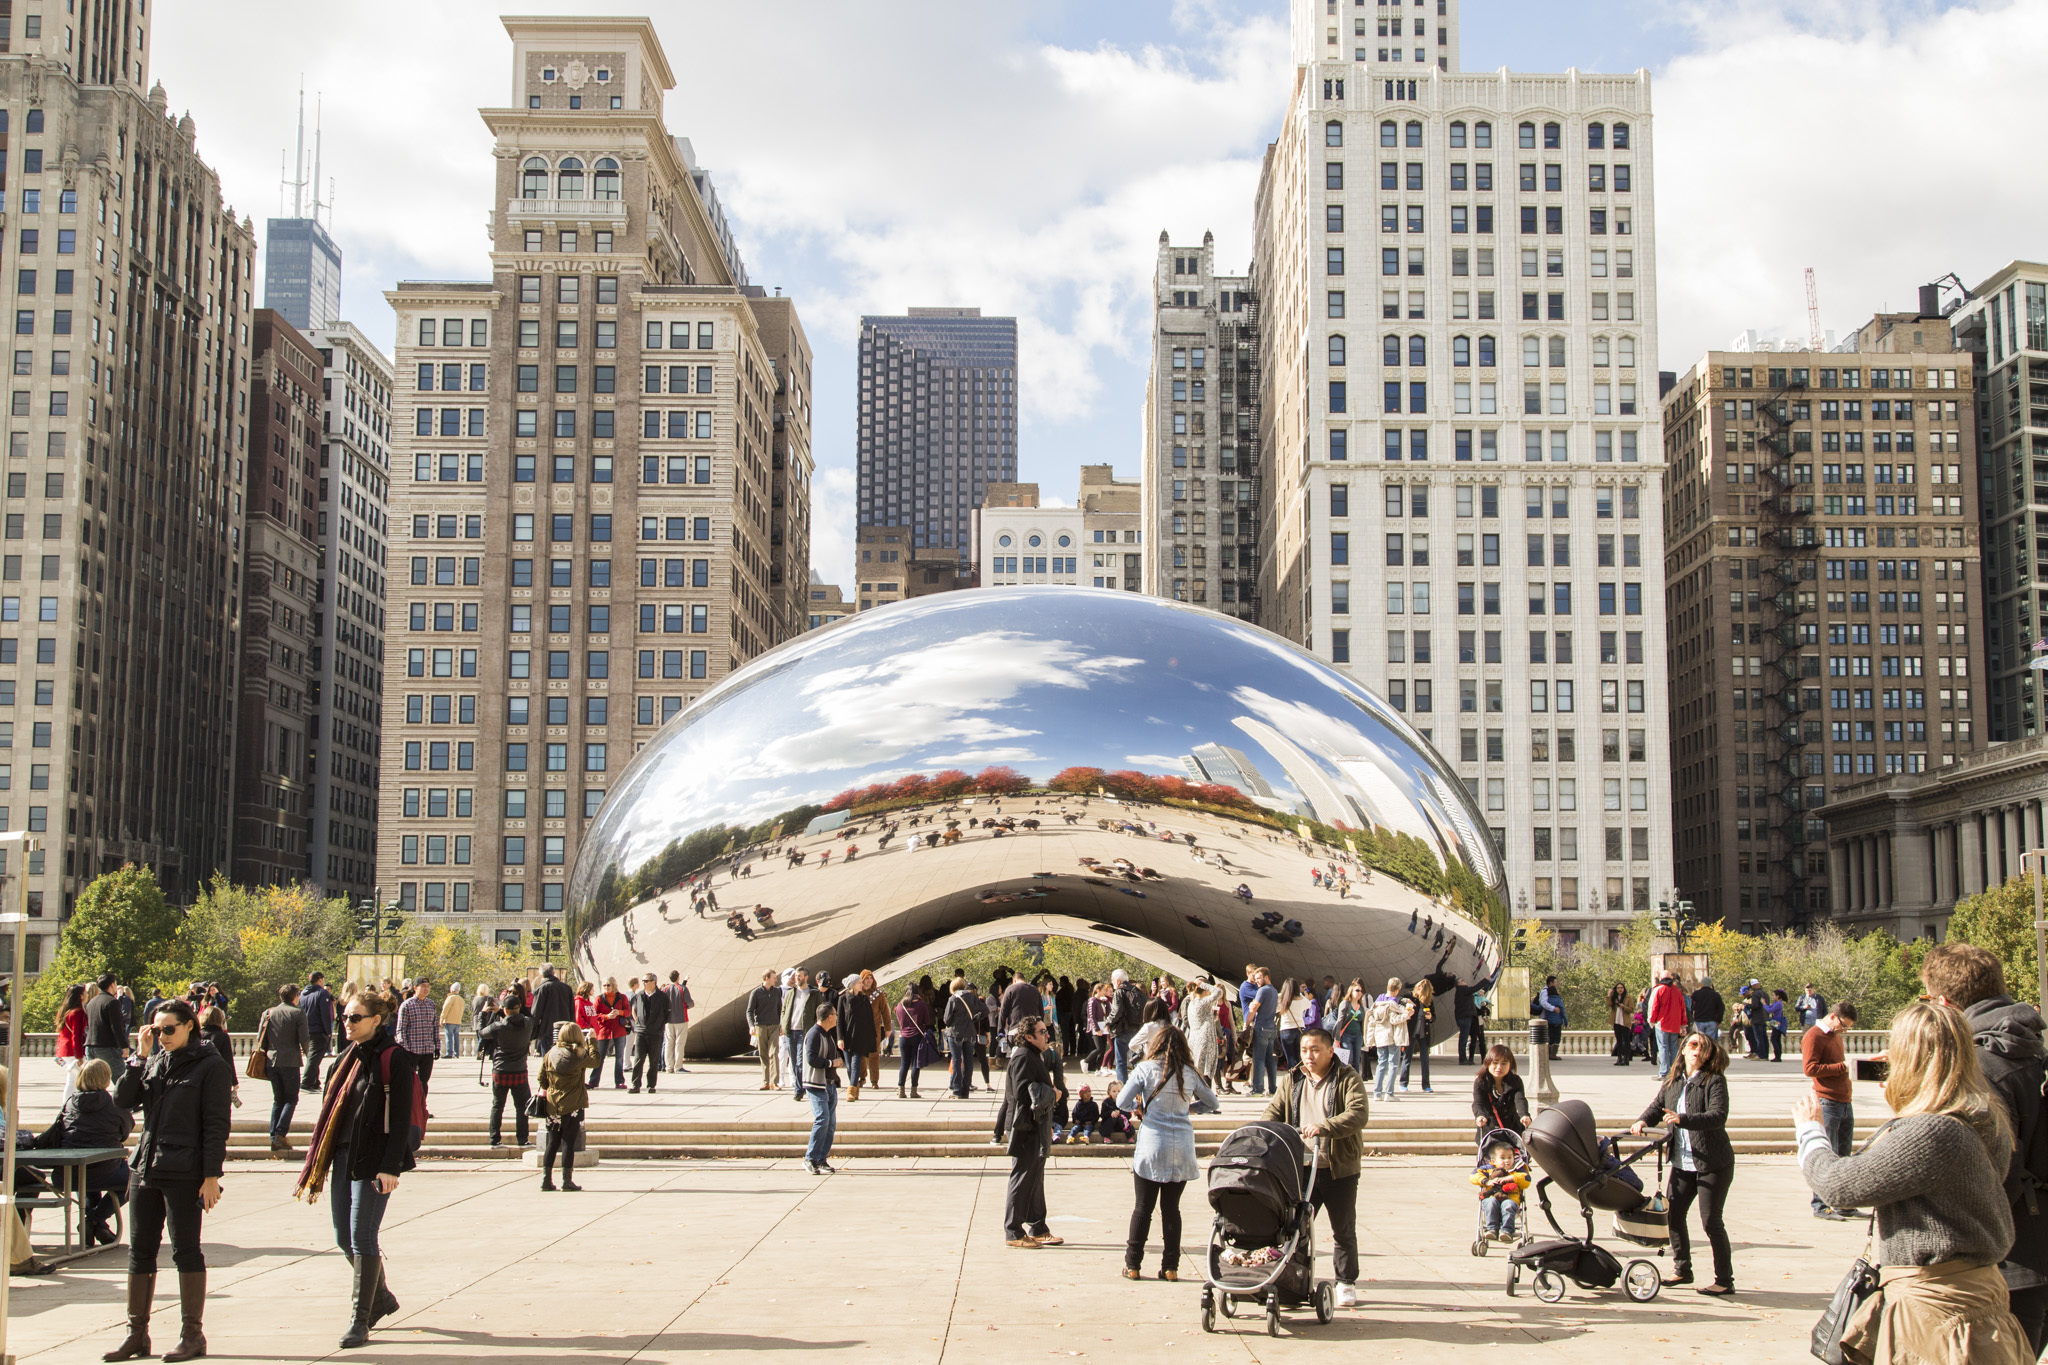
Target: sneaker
{"type": "Point", "coordinates": [828, 1168]}
{"type": "Point", "coordinates": [1347, 1295]}
{"type": "Point", "coordinates": [810, 1168]}
{"type": "Point", "coordinates": [1023, 1243]}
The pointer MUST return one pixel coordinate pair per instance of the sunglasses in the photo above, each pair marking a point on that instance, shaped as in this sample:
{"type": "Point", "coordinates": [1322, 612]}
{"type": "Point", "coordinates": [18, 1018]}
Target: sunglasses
{"type": "Point", "coordinates": [356, 1018]}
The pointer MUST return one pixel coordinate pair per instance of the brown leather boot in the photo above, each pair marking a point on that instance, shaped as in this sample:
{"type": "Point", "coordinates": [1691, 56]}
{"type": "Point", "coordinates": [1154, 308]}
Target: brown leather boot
{"type": "Point", "coordinates": [141, 1290]}
{"type": "Point", "coordinates": [191, 1309]}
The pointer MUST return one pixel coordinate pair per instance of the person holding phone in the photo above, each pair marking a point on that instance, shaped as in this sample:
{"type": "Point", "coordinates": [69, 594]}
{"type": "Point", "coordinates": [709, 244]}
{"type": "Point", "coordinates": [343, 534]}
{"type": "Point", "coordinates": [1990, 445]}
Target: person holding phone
{"type": "Point", "coordinates": [184, 1091]}
{"type": "Point", "coordinates": [363, 1140]}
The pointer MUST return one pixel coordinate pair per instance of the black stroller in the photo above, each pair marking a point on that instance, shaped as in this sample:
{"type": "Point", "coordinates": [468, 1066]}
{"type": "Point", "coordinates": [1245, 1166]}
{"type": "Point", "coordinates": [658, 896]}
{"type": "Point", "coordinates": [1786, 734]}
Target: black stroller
{"type": "Point", "coordinates": [1262, 1243]}
{"type": "Point", "coordinates": [1566, 1147]}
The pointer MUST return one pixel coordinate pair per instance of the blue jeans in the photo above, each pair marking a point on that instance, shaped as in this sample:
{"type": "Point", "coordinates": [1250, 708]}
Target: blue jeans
{"type": "Point", "coordinates": [357, 1207]}
{"type": "Point", "coordinates": [1709, 1028]}
{"type": "Point", "coordinates": [610, 1047]}
{"type": "Point", "coordinates": [1290, 1048]}
{"type": "Point", "coordinates": [1121, 1044]}
{"type": "Point", "coordinates": [824, 1122]}
{"type": "Point", "coordinates": [1387, 1072]}
{"type": "Point", "coordinates": [1497, 1213]}
{"type": "Point", "coordinates": [1840, 1122]}
{"type": "Point", "coordinates": [1264, 1080]}
{"type": "Point", "coordinates": [451, 1040]}
{"type": "Point", "coordinates": [1667, 1050]}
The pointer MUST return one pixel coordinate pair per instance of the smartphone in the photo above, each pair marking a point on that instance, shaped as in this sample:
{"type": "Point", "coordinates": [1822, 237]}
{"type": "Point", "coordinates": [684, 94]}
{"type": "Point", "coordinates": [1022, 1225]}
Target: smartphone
{"type": "Point", "coordinates": [1873, 1069]}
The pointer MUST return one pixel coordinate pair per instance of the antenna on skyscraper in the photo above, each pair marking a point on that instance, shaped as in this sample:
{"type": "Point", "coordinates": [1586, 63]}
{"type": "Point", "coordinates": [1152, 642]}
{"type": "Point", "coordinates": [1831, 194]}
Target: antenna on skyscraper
{"type": "Point", "coordinates": [316, 152]}
{"type": "Point", "coordinates": [297, 183]}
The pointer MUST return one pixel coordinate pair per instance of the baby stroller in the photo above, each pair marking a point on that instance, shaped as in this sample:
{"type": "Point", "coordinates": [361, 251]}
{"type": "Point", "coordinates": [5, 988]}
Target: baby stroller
{"type": "Point", "coordinates": [1262, 1243]}
{"type": "Point", "coordinates": [1488, 1140]}
{"type": "Point", "coordinates": [1567, 1148]}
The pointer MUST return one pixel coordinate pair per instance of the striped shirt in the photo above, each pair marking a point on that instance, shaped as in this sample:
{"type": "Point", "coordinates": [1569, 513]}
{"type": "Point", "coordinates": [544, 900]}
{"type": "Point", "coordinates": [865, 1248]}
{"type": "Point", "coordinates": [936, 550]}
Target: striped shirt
{"type": "Point", "coordinates": [418, 1026]}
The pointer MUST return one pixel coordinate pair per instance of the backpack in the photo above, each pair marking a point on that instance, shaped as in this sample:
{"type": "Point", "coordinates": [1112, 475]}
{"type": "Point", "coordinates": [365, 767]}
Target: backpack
{"type": "Point", "coordinates": [416, 1132]}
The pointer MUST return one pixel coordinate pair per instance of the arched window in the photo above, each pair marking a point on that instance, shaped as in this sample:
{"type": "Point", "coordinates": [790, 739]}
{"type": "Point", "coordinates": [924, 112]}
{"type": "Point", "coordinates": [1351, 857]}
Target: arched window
{"type": "Point", "coordinates": [1333, 134]}
{"type": "Point", "coordinates": [1418, 350]}
{"type": "Point", "coordinates": [1626, 353]}
{"type": "Point", "coordinates": [1482, 135]}
{"type": "Point", "coordinates": [1337, 350]}
{"type": "Point", "coordinates": [1621, 137]}
{"type": "Point", "coordinates": [604, 182]}
{"type": "Point", "coordinates": [1461, 352]}
{"type": "Point", "coordinates": [1556, 352]}
{"type": "Point", "coordinates": [1035, 541]}
{"type": "Point", "coordinates": [569, 179]}
{"type": "Point", "coordinates": [1390, 134]}
{"type": "Point", "coordinates": [1066, 541]}
{"type": "Point", "coordinates": [1458, 134]}
{"type": "Point", "coordinates": [1532, 353]}
{"type": "Point", "coordinates": [1414, 133]}
{"type": "Point", "coordinates": [1003, 541]}
{"type": "Point", "coordinates": [1486, 353]}
{"type": "Point", "coordinates": [1599, 352]}
{"type": "Point", "coordinates": [1553, 136]}
{"type": "Point", "coordinates": [1390, 351]}
{"type": "Point", "coordinates": [1596, 135]}
{"type": "Point", "coordinates": [533, 179]}
{"type": "Point", "coordinates": [1527, 136]}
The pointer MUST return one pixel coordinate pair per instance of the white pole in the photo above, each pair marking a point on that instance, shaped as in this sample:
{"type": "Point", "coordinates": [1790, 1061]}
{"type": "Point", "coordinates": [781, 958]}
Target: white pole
{"type": "Point", "coordinates": [17, 920]}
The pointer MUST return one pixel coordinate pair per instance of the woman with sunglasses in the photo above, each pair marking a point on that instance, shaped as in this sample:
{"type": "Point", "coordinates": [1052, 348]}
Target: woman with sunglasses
{"type": "Point", "coordinates": [184, 1090]}
{"type": "Point", "coordinates": [363, 1139]}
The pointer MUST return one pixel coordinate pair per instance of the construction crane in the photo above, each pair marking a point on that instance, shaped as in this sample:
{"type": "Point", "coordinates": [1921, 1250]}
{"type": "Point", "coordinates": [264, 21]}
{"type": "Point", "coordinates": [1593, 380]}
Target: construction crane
{"type": "Point", "coordinates": [1814, 339]}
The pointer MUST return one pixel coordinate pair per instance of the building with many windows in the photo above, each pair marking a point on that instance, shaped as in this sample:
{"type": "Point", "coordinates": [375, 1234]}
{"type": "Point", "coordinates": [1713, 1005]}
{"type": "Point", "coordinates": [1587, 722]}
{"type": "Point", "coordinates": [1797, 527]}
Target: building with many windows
{"type": "Point", "coordinates": [827, 603]}
{"type": "Point", "coordinates": [302, 272]}
{"type": "Point", "coordinates": [2003, 322]}
{"type": "Point", "coordinates": [583, 502]}
{"type": "Point", "coordinates": [1200, 475]}
{"type": "Point", "coordinates": [937, 423]}
{"type": "Point", "coordinates": [347, 663]}
{"type": "Point", "coordinates": [1459, 436]}
{"type": "Point", "coordinates": [121, 592]}
{"type": "Point", "coordinates": [1821, 593]}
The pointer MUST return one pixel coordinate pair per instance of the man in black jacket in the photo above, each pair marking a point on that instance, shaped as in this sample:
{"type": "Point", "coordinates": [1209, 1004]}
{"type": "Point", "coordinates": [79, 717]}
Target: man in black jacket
{"type": "Point", "coordinates": [1028, 1121]}
{"type": "Point", "coordinates": [1465, 1014]}
{"type": "Point", "coordinates": [650, 1031]}
{"type": "Point", "coordinates": [1708, 1009]}
{"type": "Point", "coordinates": [1126, 1008]}
{"type": "Point", "coordinates": [553, 1003]}
{"type": "Point", "coordinates": [106, 1025]}
{"type": "Point", "coordinates": [316, 1002]}
{"type": "Point", "coordinates": [2009, 1045]}
{"type": "Point", "coordinates": [764, 1017]}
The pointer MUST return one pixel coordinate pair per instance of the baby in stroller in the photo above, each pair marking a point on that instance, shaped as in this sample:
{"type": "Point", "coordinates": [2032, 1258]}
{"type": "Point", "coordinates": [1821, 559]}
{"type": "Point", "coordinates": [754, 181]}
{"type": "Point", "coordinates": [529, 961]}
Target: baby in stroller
{"type": "Point", "coordinates": [1501, 1175]}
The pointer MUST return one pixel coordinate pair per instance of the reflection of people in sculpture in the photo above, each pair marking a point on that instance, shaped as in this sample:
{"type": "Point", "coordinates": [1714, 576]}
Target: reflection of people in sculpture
{"type": "Point", "coordinates": [738, 924]}
{"type": "Point", "coordinates": [1244, 893]}
{"type": "Point", "coordinates": [765, 915]}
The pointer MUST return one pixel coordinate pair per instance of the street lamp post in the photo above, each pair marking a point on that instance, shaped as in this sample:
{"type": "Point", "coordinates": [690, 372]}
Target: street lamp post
{"type": "Point", "coordinates": [2038, 857]}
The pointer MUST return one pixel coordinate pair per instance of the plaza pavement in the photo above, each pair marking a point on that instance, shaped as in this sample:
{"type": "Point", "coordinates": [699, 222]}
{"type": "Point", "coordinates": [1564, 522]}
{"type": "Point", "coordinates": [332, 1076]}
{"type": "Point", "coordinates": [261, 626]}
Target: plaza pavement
{"type": "Point", "coordinates": [902, 1260]}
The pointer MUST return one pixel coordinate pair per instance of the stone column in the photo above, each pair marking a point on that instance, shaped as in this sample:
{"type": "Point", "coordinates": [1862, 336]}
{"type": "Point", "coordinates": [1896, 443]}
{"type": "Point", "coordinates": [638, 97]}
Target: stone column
{"type": "Point", "coordinates": [1944, 864]}
{"type": "Point", "coordinates": [1911, 869]}
{"type": "Point", "coordinates": [1971, 838]}
{"type": "Point", "coordinates": [1838, 877]}
{"type": "Point", "coordinates": [1852, 854]}
{"type": "Point", "coordinates": [1881, 869]}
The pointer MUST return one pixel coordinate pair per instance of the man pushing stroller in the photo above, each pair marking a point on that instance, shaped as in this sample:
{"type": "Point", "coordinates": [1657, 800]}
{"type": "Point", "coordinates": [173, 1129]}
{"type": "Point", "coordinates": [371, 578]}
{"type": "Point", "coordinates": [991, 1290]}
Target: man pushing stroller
{"type": "Point", "coordinates": [1326, 1100]}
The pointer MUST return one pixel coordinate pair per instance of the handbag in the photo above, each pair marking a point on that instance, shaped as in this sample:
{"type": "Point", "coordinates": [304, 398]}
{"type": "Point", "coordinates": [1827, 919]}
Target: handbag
{"type": "Point", "coordinates": [927, 1050]}
{"type": "Point", "coordinates": [257, 1068]}
{"type": "Point", "coordinates": [537, 1106]}
{"type": "Point", "coordinates": [1859, 1285]}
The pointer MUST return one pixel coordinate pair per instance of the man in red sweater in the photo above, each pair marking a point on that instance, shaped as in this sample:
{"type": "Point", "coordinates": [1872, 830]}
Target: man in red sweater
{"type": "Point", "coordinates": [1667, 1019]}
{"type": "Point", "coordinates": [1821, 1056]}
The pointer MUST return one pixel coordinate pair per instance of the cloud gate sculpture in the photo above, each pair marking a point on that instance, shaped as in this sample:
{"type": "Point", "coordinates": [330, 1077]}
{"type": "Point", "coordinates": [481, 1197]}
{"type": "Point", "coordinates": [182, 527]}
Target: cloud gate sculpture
{"type": "Point", "coordinates": [1029, 761]}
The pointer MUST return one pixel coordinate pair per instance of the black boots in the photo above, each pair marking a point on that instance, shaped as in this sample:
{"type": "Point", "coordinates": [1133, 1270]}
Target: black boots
{"type": "Point", "coordinates": [369, 1279]}
{"type": "Point", "coordinates": [386, 1304]}
{"type": "Point", "coordinates": [141, 1289]}
{"type": "Point", "coordinates": [191, 1308]}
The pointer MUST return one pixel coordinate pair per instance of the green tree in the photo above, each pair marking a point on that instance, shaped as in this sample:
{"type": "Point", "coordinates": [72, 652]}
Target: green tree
{"type": "Point", "coordinates": [2001, 921]}
{"type": "Point", "coordinates": [121, 924]}
{"type": "Point", "coordinates": [251, 940]}
{"type": "Point", "coordinates": [1072, 958]}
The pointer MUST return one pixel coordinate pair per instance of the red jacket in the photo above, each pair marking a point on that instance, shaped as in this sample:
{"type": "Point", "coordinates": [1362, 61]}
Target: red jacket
{"type": "Point", "coordinates": [586, 1015]}
{"type": "Point", "coordinates": [604, 1025]}
{"type": "Point", "coordinates": [71, 1035]}
{"type": "Point", "coordinates": [1667, 1009]}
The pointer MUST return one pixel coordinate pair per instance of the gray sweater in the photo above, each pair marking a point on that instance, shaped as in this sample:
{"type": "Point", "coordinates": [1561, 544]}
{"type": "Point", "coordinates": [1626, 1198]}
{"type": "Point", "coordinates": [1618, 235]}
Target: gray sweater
{"type": "Point", "coordinates": [1938, 1193]}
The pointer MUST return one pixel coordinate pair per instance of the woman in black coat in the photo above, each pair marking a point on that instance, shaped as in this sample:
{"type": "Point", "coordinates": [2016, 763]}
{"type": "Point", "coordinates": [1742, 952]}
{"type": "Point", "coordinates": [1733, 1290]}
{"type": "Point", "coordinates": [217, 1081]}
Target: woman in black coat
{"type": "Point", "coordinates": [361, 1144]}
{"type": "Point", "coordinates": [1498, 1099]}
{"type": "Point", "coordinates": [1692, 1106]}
{"type": "Point", "coordinates": [184, 1091]}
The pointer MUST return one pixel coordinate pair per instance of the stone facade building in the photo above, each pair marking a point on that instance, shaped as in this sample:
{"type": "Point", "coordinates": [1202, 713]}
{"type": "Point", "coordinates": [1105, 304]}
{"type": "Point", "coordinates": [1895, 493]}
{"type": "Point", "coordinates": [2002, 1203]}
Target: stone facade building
{"type": "Point", "coordinates": [585, 528]}
{"type": "Point", "coordinates": [1903, 850]}
{"type": "Point", "coordinates": [1201, 467]}
{"type": "Point", "coordinates": [129, 282]}
{"type": "Point", "coordinates": [1821, 596]}
{"type": "Point", "coordinates": [1456, 280]}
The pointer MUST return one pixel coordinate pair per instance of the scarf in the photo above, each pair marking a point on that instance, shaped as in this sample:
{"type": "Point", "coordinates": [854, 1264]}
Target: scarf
{"type": "Point", "coordinates": [327, 1130]}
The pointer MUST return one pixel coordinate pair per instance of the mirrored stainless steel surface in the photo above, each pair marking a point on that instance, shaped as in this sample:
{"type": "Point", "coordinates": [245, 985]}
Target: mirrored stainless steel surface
{"type": "Point", "coordinates": [982, 763]}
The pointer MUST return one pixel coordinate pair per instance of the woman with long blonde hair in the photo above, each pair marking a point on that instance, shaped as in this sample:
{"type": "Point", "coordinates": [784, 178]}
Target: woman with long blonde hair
{"type": "Point", "coordinates": [1935, 1178]}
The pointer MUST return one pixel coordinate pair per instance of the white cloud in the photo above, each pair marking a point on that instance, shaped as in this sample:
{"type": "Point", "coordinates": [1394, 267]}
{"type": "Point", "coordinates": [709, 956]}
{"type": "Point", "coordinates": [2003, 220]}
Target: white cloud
{"type": "Point", "coordinates": [1871, 141]}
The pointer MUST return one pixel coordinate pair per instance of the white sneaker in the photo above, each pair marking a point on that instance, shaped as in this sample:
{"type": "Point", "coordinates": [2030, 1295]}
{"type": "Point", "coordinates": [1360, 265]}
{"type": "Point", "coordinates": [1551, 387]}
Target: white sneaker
{"type": "Point", "coordinates": [1347, 1295]}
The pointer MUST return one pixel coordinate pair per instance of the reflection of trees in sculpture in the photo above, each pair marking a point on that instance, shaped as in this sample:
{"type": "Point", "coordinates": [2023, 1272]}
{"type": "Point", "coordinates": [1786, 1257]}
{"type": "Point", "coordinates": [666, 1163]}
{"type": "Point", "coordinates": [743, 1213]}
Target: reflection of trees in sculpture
{"type": "Point", "coordinates": [1136, 786]}
{"type": "Point", "coordinates": [914, 788]}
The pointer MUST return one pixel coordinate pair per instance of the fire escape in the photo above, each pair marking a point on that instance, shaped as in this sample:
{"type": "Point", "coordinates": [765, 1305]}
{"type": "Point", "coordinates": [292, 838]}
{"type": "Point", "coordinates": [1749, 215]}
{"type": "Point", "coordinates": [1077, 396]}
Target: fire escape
{"type": "Point", "coordinates": [1787, 515]}
{"type": "Point", "coordinates": [1238, 340]}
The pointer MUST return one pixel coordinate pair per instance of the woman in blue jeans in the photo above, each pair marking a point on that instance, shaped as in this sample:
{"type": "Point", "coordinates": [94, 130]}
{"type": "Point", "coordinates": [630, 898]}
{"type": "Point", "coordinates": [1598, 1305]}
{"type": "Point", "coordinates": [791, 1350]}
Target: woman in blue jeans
{"type": "Point", "coordinates": [361, 1144]}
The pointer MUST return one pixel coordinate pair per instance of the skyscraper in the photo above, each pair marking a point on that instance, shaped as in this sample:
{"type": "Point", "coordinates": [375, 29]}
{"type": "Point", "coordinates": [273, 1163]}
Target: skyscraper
{"type": "Point", "coordinates": [1457, 361]}
{"type": "Point", "coordinates": [347, 666]}
{"type": "Point", "coordinates": [301, 272]}
{"type": "Point", "coordinates": [584, 501]}
{"type": "Point", "coordinates": [937, 422]}
{"type": "Point", "coordinates": [127, 469]}
{"type": "Point", "coordinates": [1824, 621]}
{"type": "Point", "coordinates": [1201, 471]}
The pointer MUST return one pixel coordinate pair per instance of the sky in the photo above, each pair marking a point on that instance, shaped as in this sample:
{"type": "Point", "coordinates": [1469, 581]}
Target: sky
{"type": "Point", "coordinates": [1024, 159]}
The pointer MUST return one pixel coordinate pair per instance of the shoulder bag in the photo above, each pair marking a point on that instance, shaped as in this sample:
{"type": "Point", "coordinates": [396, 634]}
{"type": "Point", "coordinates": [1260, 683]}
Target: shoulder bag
{"type": "Point", "coordinates": [1850, 1296]}
{"type": "Point", "coordinates": [257, 1068]}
